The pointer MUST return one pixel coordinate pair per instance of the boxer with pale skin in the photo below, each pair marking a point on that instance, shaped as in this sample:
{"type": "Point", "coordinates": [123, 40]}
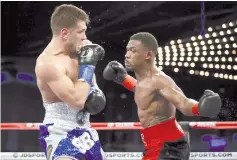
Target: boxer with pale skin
{"type": "Point", "coordinates": [67, 83]}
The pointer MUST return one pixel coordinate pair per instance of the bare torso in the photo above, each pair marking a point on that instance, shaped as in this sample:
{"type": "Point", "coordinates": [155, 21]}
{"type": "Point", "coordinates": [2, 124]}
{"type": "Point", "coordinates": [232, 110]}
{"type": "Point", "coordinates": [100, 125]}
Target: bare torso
{"type": "Point", "coordinates": [152, 107]}
{"type": "Point", "coordinates": [67, 64]}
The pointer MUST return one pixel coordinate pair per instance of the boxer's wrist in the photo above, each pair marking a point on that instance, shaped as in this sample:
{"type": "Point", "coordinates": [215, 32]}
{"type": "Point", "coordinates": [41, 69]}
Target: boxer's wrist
{"type": "Point", "coordinates": [129, 82]}
{"type": "Point", "coordinates": [86, 73]}
{"type": "Point", "coordinates": [195, 109]}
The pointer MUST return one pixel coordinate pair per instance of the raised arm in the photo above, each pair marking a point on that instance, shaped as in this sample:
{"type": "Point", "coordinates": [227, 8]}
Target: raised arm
{"type": "Point", "coordinates": [74, 94]}
{"type": "Point", "coordinates": [115, 71]}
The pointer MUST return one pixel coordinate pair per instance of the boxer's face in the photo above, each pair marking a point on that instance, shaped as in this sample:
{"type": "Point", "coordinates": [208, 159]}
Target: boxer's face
{"type": "Point", "coordinates": [75, 36]}
{"type": "Point", "coordinates": [135, 55]}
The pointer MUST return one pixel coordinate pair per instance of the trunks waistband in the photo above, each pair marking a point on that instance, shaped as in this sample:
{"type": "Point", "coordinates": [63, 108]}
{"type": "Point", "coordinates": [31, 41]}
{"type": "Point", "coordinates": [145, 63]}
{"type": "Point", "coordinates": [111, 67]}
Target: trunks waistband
{"type": "Point", "coordinates": [61, 114]}
{"type": "Point", "coordinates": [167, 131]}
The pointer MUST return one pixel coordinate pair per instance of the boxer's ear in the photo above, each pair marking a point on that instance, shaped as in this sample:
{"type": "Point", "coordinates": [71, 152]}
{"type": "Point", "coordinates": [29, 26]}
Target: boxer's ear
{"type": "Point", "coordinates": [148, 55]}
{"type": "Point", "coordinates": [64, 33]}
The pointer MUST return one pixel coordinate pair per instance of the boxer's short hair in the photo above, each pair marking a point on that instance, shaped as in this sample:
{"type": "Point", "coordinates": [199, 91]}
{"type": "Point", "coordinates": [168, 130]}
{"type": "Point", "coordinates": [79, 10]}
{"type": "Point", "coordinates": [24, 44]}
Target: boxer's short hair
{"type": "Point", "coordinates": [67, 16]}
{"type": "Point", "coordinates": [147, 39]}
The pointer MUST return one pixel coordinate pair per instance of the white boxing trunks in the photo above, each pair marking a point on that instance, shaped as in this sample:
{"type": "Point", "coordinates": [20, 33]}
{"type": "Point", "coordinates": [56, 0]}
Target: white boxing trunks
{"type": "Point", "coordinates": [62, 136]}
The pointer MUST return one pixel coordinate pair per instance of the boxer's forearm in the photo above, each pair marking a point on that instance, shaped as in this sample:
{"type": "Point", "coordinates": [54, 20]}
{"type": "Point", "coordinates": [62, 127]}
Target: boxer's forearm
{"type": "Point", "coordinates": [188, 107]}
{"type": "Point", "coordinates": [82, 90]}
{"type": "Point", "coordinates": [179, 100]}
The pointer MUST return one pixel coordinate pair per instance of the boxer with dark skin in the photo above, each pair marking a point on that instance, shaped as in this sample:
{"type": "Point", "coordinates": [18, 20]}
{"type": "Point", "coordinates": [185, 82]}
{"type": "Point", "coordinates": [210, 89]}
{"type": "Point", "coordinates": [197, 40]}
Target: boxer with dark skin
{"type": "Point", "coordinates": [157, 97]}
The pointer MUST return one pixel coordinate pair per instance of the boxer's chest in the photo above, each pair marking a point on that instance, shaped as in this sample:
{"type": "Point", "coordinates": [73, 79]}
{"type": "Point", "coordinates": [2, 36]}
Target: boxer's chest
{"type": "Point", "coordinates": [144, 94]}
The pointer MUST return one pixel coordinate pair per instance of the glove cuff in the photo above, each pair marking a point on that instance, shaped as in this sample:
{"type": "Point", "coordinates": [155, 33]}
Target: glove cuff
{"type": "Point", "coordinates": [86, 73]}
{"type": "Point", "coordinates": [129, 82]}
{"type": "Point", "coordinates": [195, 110]}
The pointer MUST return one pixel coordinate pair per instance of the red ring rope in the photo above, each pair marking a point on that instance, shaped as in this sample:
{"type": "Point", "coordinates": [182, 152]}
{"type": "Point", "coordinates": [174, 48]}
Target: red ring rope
{"type": "Point", "coordinates": [124, 125]}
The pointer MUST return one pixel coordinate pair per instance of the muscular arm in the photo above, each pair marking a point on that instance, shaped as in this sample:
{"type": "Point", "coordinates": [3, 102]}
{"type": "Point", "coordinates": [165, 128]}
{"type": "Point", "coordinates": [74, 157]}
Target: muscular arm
{"type": "Point", "coordinates": [74, 94]}
{"type": "Point", "coordinates": [170, 91]}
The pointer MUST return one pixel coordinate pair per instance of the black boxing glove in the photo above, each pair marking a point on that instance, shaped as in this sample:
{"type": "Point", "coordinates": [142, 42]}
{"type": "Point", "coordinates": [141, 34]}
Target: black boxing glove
{"type": "Point", "coordinates": [96, 101]}
{"type": "Point", "coordinates": [89, 56]}
{"type": "Point", "coordinates": [209, 105]}
{"type": "Point", "coordinates": [115, 71]}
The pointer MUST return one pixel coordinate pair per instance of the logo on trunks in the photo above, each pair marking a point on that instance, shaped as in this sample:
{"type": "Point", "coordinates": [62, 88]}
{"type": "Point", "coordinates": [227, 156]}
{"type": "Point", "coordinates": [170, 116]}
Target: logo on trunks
{"type": "Point", "coordinates": [49, 151]}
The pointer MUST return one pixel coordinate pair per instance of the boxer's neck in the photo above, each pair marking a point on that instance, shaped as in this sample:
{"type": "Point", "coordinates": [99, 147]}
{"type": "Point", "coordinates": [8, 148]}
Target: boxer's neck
{"type": "Point", "coordinates": [144, 71]}
{"type": "Point", "coordinates": [58, 45]}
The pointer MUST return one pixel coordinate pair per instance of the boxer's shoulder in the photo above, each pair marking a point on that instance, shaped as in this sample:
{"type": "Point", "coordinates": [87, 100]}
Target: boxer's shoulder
{"type": "Point", "coordinates": [50, 65]}
{"type": "Point", "coordinates": [160, 79]}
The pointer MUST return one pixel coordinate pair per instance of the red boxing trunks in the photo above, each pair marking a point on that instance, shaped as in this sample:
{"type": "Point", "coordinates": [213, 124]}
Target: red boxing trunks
{"type": "Point", "coordinates": [165, 140]}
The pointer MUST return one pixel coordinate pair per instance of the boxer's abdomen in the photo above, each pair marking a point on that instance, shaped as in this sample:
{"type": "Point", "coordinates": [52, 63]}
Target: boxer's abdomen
{"type": "Point", "coordinates": [152, 108]}
{"type": "Point", "coordinates": [46, 93]}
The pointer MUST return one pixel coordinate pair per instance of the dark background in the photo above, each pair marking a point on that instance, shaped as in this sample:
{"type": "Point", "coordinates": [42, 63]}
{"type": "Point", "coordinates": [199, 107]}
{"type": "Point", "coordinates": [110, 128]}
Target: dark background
{"type": "Point", "coordinates": [25, 32]}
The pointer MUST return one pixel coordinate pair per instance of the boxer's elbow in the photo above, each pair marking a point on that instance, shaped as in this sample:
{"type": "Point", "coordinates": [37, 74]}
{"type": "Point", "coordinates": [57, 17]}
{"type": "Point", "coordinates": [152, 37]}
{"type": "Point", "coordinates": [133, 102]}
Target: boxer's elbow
{"type": "Point", "coordinates": [79, 104]}
{"type": "Point", "coordinates": [75, 102]}
{"type": "Point", "coordinates": [71, 100]}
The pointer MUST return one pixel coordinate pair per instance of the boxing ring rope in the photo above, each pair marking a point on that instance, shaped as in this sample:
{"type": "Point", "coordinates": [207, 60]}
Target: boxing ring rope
{"type": "Point", "coordinates": [124, 126]}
